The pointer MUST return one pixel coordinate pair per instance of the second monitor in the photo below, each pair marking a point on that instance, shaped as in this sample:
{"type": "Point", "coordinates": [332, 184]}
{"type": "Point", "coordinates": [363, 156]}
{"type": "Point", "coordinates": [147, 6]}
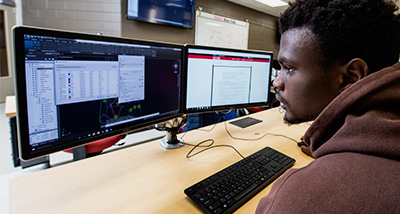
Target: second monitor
{"type": "Point", "coordinates": [219, 79]}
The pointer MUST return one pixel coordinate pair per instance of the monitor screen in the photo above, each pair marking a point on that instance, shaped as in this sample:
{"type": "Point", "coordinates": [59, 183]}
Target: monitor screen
{"type": "Point", "coordinates": [172, 12]}
{"type": "Point", "coordinates": [74, 88]}
{"type": "Point", "coordinates": [223, 79]}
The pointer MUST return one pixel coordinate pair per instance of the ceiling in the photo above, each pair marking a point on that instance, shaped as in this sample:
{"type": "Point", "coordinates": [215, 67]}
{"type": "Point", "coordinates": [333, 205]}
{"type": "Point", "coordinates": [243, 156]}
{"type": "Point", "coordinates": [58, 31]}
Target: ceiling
{"type": "Point", "coordinates": [275, 11]}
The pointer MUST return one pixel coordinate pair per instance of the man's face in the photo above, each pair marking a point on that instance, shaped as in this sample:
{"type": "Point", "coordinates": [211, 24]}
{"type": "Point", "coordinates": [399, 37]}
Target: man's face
{"type": "Point", "coordinates": [304, 87]}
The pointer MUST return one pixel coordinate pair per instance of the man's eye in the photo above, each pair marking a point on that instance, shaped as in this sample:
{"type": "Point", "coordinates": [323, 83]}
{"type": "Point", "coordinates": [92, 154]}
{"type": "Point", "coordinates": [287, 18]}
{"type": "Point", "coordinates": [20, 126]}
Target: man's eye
{"type": "Point", "coordinates": [288, 69]}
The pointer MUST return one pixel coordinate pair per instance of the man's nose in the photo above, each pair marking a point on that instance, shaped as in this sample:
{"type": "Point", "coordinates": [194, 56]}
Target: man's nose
{"type": "Point", "coordinates": [278, 83]}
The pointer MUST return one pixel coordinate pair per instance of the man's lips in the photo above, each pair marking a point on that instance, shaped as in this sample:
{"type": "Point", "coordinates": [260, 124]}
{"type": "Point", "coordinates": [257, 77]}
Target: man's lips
{"type": "Point", "coordinates": [281, 101]}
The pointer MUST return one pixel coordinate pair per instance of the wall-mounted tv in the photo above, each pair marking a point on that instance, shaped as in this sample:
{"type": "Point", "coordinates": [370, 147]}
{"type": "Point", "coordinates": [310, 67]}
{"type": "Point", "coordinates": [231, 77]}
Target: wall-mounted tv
{"type": "Point", "coordinates": [170, 12]}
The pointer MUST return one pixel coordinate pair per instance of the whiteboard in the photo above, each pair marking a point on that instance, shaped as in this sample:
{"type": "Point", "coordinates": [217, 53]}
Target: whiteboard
{"type": "Point", "coordinates": [219, 31]}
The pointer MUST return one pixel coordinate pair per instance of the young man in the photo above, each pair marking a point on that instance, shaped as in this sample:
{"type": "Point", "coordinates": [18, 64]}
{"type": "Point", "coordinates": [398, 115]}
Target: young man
{"type": "Point", "coordinates": [339, 69]}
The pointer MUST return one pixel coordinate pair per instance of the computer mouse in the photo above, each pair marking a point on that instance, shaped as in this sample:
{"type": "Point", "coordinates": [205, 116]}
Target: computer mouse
{"type": "Point", "coordinates": [301, 143]}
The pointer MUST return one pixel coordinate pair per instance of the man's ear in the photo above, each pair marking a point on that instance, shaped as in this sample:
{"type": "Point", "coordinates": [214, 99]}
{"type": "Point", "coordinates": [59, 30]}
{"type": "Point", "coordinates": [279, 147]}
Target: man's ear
{"type": "Point", "coordinates": [355, 70]}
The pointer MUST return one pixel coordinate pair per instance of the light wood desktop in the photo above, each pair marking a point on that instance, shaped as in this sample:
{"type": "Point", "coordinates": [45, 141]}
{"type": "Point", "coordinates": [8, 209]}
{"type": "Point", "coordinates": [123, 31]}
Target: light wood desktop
{"type": "Point", "coordinates": [147, 178]}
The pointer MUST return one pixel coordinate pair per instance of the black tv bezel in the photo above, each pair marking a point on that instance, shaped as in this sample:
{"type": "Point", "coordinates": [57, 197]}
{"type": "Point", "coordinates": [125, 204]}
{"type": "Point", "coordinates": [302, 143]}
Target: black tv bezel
{"type": "Point", "coordinates": [25, 152]}
{"type": "Point", "coordinates": [163, 23]}
{"type": "Point", "coordinates": [224, 107]}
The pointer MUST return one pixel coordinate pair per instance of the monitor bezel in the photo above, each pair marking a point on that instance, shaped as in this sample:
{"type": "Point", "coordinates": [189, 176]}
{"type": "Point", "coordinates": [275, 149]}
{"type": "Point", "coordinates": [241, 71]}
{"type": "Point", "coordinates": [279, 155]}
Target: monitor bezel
{"type": "Point", "coordinates": [25, 152]}
{"type": "Point", "coordinates": [225, 107]}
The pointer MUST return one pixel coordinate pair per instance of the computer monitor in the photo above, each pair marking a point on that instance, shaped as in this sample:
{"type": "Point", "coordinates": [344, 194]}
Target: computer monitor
{"type": "Point", "coordinates": [219, 79]}
{"type": "Point", "coordinates": [74, 88]}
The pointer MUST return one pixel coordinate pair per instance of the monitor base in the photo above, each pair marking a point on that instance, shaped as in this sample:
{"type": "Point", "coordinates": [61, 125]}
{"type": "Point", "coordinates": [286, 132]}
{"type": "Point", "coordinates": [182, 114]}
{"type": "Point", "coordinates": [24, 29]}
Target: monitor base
{"type": "Point", "coordinates": [171, 141]}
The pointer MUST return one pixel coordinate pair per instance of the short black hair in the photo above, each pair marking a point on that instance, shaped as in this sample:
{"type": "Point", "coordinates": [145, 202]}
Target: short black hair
{"type": "Point", "coordinates": [347, 29]}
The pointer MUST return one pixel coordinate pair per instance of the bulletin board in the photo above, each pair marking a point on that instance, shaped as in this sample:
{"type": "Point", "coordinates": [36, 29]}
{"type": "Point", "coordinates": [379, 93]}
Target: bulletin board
{"type": "Point", "coordinates": [219, 31]}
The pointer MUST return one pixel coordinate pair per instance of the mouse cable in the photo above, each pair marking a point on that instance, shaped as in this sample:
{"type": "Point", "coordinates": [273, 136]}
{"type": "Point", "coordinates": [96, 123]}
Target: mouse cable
{"type": "Point", "coordinates": [210, 146]}
{"type": "Point", "coordinates": [250, 139]}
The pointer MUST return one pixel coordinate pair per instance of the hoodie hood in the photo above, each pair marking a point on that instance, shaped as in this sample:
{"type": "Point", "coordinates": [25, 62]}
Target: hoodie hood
{"type": "Point", "coordinates": [365, 118]}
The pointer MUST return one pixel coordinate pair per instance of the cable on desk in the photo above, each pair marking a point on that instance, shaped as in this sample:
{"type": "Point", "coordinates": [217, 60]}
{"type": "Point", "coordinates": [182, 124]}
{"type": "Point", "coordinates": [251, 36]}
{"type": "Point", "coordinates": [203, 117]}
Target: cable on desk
{"type": "Point", "coordinates": [189, 154]}
{"type": "Point", "coordinates": [249, 139]}
{"type": "Point", "coordinates": [210, 146]}
{"type": "Point", "coordinates": [198, 145]}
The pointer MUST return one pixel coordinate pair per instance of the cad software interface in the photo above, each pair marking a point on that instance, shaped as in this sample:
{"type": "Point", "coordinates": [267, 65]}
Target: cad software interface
{"type": "Point", "coordinates": [226, 78]}
{"type": "Point", "coordinates": [82, 88]}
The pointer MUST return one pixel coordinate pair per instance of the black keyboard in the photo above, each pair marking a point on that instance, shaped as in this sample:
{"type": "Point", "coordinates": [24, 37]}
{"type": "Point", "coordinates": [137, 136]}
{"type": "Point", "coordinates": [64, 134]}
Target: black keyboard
{"type": "Point", "coordinates": [229, 188]}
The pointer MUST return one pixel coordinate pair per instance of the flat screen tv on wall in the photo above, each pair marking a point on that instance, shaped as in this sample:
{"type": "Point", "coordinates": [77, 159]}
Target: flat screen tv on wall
{"type": "Point", "coordinates": [168, 12]}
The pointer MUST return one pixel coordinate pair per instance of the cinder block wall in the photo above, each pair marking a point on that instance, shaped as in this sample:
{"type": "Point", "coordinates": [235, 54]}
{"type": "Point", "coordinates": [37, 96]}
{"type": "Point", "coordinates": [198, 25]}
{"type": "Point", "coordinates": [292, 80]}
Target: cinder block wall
{"type": "Point", "coordinates": [91, 16]}
{"type": "Point", "coordinates": [109, 17]}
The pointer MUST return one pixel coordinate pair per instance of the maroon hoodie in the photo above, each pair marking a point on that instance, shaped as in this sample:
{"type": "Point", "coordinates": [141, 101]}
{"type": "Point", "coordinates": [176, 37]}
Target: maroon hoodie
{"type": "Point", "coordinates": [356, 143]}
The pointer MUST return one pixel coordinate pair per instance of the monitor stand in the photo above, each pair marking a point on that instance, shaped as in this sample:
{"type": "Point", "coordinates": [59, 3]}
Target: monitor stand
{"type": "Point", "coordinates": [171, 140]}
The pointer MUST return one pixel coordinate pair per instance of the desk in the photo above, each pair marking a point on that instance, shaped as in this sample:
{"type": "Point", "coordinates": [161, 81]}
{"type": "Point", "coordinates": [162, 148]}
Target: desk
{"type": "Point", "coordinates": [148, 178]}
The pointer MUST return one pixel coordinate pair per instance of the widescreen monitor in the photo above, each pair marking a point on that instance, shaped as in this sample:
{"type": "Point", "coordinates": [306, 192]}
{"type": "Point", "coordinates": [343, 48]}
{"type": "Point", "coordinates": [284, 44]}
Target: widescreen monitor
{"type": "Point", "coordinates": [74, 88]}
{"type": "Point", "coordinates": [219, 79]}
{"type": "Point", "coordinates": [170, 12]}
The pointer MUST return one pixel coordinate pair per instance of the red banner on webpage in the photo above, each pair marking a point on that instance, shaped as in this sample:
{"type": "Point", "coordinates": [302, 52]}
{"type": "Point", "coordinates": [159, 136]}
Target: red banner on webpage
{"type": "Point", "coordinates": [193, 56]}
